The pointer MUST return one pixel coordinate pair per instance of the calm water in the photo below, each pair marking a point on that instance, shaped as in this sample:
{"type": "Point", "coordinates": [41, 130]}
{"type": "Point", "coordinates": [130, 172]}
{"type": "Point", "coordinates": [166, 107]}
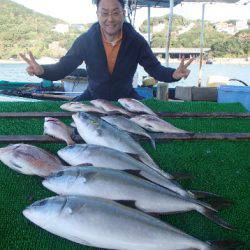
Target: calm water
{"type": "Point", "coordinates": [16, 72]}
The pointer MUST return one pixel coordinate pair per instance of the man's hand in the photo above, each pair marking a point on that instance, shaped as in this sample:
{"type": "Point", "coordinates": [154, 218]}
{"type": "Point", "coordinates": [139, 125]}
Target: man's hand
{"type": "Point", "coordinates": [34, 68]}
{"type": "Point", "coordinates": [182, 71]}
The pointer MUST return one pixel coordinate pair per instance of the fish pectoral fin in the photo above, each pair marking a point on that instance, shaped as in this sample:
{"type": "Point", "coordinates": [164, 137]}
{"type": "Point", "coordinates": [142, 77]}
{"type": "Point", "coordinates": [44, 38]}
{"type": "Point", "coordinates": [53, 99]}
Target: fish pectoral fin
{"type": "Point", "coordinates": [79, 241]}
{"type": "Point", "coordinates": [99, 132]}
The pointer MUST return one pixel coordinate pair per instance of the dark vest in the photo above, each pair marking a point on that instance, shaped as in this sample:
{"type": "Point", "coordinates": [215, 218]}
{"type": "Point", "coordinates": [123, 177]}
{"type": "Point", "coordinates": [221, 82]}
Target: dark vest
{"type": "Point", "coordinates": [89, 48]}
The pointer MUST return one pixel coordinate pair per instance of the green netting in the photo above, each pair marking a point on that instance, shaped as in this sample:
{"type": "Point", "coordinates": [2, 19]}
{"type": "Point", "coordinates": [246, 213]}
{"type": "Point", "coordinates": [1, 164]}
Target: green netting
{"type": "Point", "coordinates": [221, 167]}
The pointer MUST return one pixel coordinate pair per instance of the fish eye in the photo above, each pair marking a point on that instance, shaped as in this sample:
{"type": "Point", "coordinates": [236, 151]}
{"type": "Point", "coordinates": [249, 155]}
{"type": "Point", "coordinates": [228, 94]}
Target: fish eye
{"type": "Point", "coordinates": [59, 174]}
{"type": "Point", "coordinates": [71, 146]}
{"type": "Point", "coordinates": [41, 203]}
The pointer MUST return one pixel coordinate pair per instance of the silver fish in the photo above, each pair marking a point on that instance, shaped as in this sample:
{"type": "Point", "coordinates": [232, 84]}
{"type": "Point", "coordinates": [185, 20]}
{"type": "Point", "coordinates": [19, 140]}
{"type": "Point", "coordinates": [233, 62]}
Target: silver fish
{"type": "Point", "coordinates": [30, 160]}
{"type": "Point", "coordinates": [104, 157]}
{"type": "Point", "coordinates": [119, 185]}
{"type": "Point", "coordinates": [109, 107]}
{"type": "Point", "coordinates": [135, 106]}
{"type": "Point", "coordinates": [94, 130]}
{"type": "Point", "coordinates": [58, 129]}
{"type": "Point", "coordinates": [78, 106]}
{"type": "Point", "coordinates": [106, 224]}
{"type": "Point", "coordinates": [155, 124]}
{"type": "Point", "coordinates": [129, 126]}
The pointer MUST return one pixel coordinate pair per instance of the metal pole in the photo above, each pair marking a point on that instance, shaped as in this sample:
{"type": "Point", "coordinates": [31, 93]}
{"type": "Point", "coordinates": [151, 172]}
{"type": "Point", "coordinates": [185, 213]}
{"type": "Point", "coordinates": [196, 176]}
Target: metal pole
{"type": "Point", "coordinates": [170, 18]}
{"type": "Point", "coordinates": [201, 45]}
{"type": "Point", "coordinates": [149, 31]}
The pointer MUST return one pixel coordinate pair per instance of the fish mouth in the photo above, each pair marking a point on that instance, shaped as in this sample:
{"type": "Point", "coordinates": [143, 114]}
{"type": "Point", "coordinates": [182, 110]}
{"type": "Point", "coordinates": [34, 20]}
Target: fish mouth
{"type": "Point", "coordinates": [28, 211]}
{"type": "Point", "coordinates": [51, 119]}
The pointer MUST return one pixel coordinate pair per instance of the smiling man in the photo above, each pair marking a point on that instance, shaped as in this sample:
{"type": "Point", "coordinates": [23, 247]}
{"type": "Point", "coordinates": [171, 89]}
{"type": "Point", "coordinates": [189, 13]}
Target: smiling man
{"type": "Point", "coordinates": [111, 50]}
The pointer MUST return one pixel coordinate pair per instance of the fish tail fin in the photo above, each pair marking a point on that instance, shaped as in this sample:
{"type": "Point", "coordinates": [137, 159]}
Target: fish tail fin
{"type": "Point", "coordinates": [146, 159]}
{"type": "Point", "coordinates": [152, 140]}
{"type": "Point", "coordinates": [202, 194]}
{"type": "Point", "coordinates": [183, 176]}
{"type": "Point", "coordinates": [211, 215]}
{"type": "Point", "coordinates": [225, 244]}
{"type": "Point", "coordinates": [220, 204]}
{"type": "Point", "coordinates": [215, 200]}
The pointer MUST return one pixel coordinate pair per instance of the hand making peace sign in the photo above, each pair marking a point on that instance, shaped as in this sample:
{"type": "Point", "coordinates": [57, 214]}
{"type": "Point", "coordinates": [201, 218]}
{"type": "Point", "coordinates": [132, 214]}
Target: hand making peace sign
{"type": "Point", "coordinates": [182, 71]}
{"type": "Point", "coordinates": [34, 68]}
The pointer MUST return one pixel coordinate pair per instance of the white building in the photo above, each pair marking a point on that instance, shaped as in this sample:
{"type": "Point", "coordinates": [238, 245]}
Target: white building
{"type": "Point", "coordinates": [186, 28]}
{"type": "Point", "coordinates": [225, 27]}
{"type": "Point", "coordinates": [61, 28]}
{"type": "Point", "coordinates": [241, 25]}
{"type": "Point", "coordinates": [159, 27]}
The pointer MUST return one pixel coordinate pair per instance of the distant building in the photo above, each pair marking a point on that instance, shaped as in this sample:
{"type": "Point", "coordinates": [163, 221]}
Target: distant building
{"type": "Point", "coordinates": [179, 52]}
{"type": "Point", "coordinates": [225, 27]}
{"type": "Point", "coordinates": [186, 28]}
{"type": "Point", "coordinates": [241, 25]}
{"type": "Point", "coordinates": [159, 27]}
{"type": "Point", "coordinates": [78, 26]}
{"type": "Point", "coordinates": [61, 28]}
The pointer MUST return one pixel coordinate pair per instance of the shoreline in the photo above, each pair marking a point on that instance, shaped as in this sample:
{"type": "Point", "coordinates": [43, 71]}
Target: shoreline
{"type": "Point", "coordinates": [240, 61]}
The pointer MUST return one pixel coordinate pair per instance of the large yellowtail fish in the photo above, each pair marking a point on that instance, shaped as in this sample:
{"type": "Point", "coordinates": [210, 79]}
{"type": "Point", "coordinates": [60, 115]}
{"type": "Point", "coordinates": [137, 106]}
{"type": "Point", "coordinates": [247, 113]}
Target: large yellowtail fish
{"type": "Point", "coordinates": [120, 185]}
{"type": "Point", "coordinates": [107, 224]}
{"type": "Point", "coordinates": [94, 130]}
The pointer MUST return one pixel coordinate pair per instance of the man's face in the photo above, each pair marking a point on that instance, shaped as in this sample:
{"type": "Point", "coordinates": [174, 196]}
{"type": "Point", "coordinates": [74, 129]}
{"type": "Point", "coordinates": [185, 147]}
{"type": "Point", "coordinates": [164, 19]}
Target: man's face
{"type": "Point", "coordinates": [111, 16]}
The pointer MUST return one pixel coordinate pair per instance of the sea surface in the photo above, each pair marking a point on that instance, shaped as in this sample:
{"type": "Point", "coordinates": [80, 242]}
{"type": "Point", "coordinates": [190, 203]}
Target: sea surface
{"type": "Point", "coordinates": [17, 73]}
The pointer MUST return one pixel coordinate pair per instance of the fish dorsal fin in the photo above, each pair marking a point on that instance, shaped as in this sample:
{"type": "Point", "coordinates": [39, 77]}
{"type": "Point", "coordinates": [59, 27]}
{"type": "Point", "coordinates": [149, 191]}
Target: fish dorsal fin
{"type": "Point", "coordinates": [84, 165]}
{"type": "Point", "coordinates": [132, 204]}
{"type": "Point", "coordinates": [127, 203]}
{"type": "Point", "coordinates": [138, 174]}
{"type": "Point", "coordinates": [136, 157]}
{"type": "Point", "coordinates": [135, 172]}
{"type": "Point", "coordinates": [88, 177]}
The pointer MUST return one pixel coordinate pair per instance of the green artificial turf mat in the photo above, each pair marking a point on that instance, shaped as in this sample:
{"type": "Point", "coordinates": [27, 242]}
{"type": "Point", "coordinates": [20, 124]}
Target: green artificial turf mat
{"type": "Point", "coordinates": [221, 167]}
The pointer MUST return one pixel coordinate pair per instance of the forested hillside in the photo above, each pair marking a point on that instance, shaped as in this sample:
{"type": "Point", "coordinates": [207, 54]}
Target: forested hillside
{"type": "Point", "coordinates": [186, 34]}
{"type": "Point", "coordinates": [23, 29]}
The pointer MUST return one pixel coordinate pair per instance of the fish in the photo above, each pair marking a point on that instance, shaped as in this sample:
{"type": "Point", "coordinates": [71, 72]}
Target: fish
{"type": "Point", "coordinates": [109, 107]}
{"type": "Point", "coordinates": [30, 160]}
{"type": "Point", "coordinates": [107, 224]}
{"type": "Point", "coordinates": [94, 130]}
{"type": "Point", "coordinates": [104, 157]}
{"type": "Point", "coordinates": [155, 124]}
{"type": "Point", "coordinates": [120, 185]}
{"type": "Point", "coordinates": [58, 129]}
{"type": "Point", "coordinates": [135, 106]}
{"type": "Point", "coordinates": [129, 126]}
{"type": "Point", "coordinates": [78, 106]}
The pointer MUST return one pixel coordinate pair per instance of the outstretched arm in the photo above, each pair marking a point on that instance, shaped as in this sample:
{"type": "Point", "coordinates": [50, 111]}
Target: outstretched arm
{"type": "Point", "coordinates": [154, 68]}
{"type": "Point", "coordinates": [67, 64]}
{"type": "Point", "coordinates": [33, 67]}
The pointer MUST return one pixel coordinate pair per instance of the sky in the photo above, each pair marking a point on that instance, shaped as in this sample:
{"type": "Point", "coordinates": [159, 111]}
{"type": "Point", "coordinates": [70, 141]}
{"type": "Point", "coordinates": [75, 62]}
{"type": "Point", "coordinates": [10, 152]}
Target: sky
{"type": "Point", "coordinates": [83, 11]}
